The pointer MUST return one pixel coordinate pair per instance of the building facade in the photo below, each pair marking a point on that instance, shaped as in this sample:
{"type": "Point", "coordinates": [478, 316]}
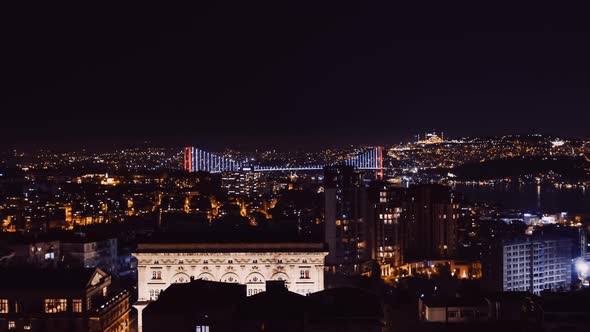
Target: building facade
{"type": "Point", "coordinates": [386, 221]}
{"type": "Point", "coordinates": [80, 251]}
{"type": "Point", "coordinates": [300, 265]}
{"type": "Point", "coordinates": [430, 220]}
{"type": "Point", "coordinates": [530, 263]}
{"type": "Point", "coordinates": [61, 300]}
{"type": "Point", "coordinates": [347, 231]}
{"type": "Point", "coordinates": [244, 183]}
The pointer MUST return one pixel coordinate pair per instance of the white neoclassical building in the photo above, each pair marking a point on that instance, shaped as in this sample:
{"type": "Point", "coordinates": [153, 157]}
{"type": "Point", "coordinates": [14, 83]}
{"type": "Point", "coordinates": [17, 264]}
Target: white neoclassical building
{"type": "Point", "coordinates": [300, 265]}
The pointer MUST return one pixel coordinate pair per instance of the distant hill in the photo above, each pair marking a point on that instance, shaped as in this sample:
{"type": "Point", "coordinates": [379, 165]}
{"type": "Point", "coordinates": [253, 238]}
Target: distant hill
{"type": "Point", "coordinates": [569, 168]}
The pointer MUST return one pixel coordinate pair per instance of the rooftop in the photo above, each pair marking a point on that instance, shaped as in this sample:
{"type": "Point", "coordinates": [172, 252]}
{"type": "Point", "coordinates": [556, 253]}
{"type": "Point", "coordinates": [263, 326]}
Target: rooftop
{"type": "Point", "coordinates": [231, 247]}
{"type": "Point", "coordinates": [178, 297]}
{"type": "Point", "coordinates": [47, 279]}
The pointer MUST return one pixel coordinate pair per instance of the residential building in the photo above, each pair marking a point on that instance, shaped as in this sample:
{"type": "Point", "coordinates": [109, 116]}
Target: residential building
{"type": "Point", "coordinates": [529, 263]}
{"type": "Point", "coordinates": [347, 231]}
{"type": "Point", "coordinates": [83, 250]}
{"type": "Point", "coordinates": [386, 223]}
{"type": "Point", "coordinates": [430, 222]}
{"type": "Point", "coordinates": [61, 300]}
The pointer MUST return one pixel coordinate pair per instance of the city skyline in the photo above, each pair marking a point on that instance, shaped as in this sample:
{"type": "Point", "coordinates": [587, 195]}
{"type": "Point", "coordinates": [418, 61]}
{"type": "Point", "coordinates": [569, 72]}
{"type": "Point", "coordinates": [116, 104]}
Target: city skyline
{"type": "Point", "coordinates": [294, 167]}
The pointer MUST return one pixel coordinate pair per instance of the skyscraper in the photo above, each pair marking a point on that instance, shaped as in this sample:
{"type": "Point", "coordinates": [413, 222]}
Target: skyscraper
{"type": "Point", "coordinates": [529, 263]}
{"type": "Point", "coordinates": [385, 223]}
{"type": "Point", "coordinates": [430, 222]}
{"type": "Point", "coordinates": [346, 229]}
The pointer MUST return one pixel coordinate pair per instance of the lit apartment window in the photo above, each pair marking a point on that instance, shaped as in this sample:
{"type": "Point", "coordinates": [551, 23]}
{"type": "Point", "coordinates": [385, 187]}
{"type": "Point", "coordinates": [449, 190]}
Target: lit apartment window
{"type": "Point", "coordinates": [304, 274]}
{"type": "Point", "coordinates": [77, 305]}
{"type": "Point", "coordinates": [11, 325]}
{"type": "Point", "coordinates": [3, 306]}
{"type": "Point", "coordinates": [156, 275]}
{"type": "Point", "coordinates": [27, 326]}
{"type": "Point", "coordinates": [154, 293]}
{"type": "Point", "coordinates": [105, 291]}
{"type": "Point", "coordinates": [202, 328]}
{"type": "Point", "coordinates": [56, 305]}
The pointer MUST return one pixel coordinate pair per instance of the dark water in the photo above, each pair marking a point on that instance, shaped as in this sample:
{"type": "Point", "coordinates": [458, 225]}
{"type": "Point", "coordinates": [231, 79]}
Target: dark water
{"type": "Point", "coordinates": [544, 198]}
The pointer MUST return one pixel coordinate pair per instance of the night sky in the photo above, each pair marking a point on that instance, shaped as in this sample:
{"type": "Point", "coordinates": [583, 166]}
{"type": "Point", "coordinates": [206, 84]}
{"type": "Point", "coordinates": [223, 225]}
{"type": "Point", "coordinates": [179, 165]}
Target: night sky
{"type": "Point", "coordinates": [293, 75]}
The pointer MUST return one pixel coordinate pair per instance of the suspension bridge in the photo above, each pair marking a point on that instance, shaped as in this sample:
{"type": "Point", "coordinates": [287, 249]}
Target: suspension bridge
{"type": "Point", "coordinates": [200, 160]}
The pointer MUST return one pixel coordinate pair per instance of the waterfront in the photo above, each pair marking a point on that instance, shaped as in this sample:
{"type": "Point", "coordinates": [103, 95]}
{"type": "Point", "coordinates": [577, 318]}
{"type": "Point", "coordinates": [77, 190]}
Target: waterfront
{"type": "Point", "coordinates": [529, 197]}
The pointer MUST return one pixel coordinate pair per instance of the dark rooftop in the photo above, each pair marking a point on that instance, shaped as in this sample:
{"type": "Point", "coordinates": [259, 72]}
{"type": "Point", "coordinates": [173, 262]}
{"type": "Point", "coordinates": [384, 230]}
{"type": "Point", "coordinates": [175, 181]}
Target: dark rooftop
{"type": "Point", "coordinates": [45, 279]}
{"type": "Point", "coordinates": [62, 236]}
{"type": "Point", "coordinates": [346, 302]}
{"type": "Point", "coordinates": [575, 301]}
{"type": "Point", "coordinates": [231, 247]}
{"type": "Point", "coordinates": [179, 297]}
{"type": "Point", "coordinates": [277, 302]}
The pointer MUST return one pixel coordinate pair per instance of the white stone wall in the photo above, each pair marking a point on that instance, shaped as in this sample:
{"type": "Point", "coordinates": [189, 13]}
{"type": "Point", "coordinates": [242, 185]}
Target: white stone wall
{"type": "Point", "coordinates": [302, 271]}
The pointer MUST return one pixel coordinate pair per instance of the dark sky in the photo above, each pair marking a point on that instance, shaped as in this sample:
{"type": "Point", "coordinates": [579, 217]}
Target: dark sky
{"type": "Point", "coordinates": [253, 73]}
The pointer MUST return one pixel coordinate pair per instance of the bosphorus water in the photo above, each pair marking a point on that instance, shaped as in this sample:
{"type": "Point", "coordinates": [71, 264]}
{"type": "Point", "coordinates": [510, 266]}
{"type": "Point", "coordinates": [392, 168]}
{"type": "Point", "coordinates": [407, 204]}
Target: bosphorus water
{"type": "Point", "coordinates": [530, 197]}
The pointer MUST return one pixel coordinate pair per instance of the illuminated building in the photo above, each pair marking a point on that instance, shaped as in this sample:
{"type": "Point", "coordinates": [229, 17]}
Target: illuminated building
{"type": "Point", "coordinates": [347, 232]}
{"type": "Point", "coordinates": [458, 269]}
{"type": "Point", "coordinates": [243, 183]}
{"type": "Point", "coordinates": [431, 138]}
{"type": "Point", "coordinates": [300, 265]}
{"type": "Point", "coordinates": [530, 263]}
{"type": "Point", "coordinates": [386, 223]}
{"type": "Point", "coordinates": [61, 300]}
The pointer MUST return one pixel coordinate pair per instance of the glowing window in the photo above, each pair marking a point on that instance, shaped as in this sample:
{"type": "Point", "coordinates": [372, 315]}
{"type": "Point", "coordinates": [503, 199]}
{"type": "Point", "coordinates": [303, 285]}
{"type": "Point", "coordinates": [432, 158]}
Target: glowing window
{"type": "Point", "coordinates": [53, 306]}
{"type": "Point", "coordinates": [77, 305]}
{"type": "Point", "coordinates": [3, 306]}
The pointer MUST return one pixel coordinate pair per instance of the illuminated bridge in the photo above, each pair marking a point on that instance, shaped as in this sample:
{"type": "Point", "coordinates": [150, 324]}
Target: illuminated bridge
{"type": "Point", "coordinates": [200, 160]}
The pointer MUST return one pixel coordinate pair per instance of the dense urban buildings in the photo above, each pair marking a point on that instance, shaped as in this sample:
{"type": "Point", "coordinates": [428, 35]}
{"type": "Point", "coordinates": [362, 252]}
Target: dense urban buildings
{"type": "Point", "coordinates": [287, 217]}
{"type": "Point", "coordinates": [242, 166]}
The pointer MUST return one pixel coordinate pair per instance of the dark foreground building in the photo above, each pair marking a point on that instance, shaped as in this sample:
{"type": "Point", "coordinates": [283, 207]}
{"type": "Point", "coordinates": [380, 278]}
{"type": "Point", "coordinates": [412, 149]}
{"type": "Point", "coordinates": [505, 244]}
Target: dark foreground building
{"type": "Point", "coordinates": [61, 300]}
{"type": "Point", "coordinates": [207, 306]}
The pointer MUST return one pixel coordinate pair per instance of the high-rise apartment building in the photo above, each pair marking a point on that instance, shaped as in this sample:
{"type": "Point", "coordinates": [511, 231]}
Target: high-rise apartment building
{"type": "Point", "coordinates": [430, 215]}
{"type": "Point", "coordinates": [385, 218]}
{"type": "Point", "coordinates": [347, 232]}
{"type": "Point", "coordinates": [530, 263]}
